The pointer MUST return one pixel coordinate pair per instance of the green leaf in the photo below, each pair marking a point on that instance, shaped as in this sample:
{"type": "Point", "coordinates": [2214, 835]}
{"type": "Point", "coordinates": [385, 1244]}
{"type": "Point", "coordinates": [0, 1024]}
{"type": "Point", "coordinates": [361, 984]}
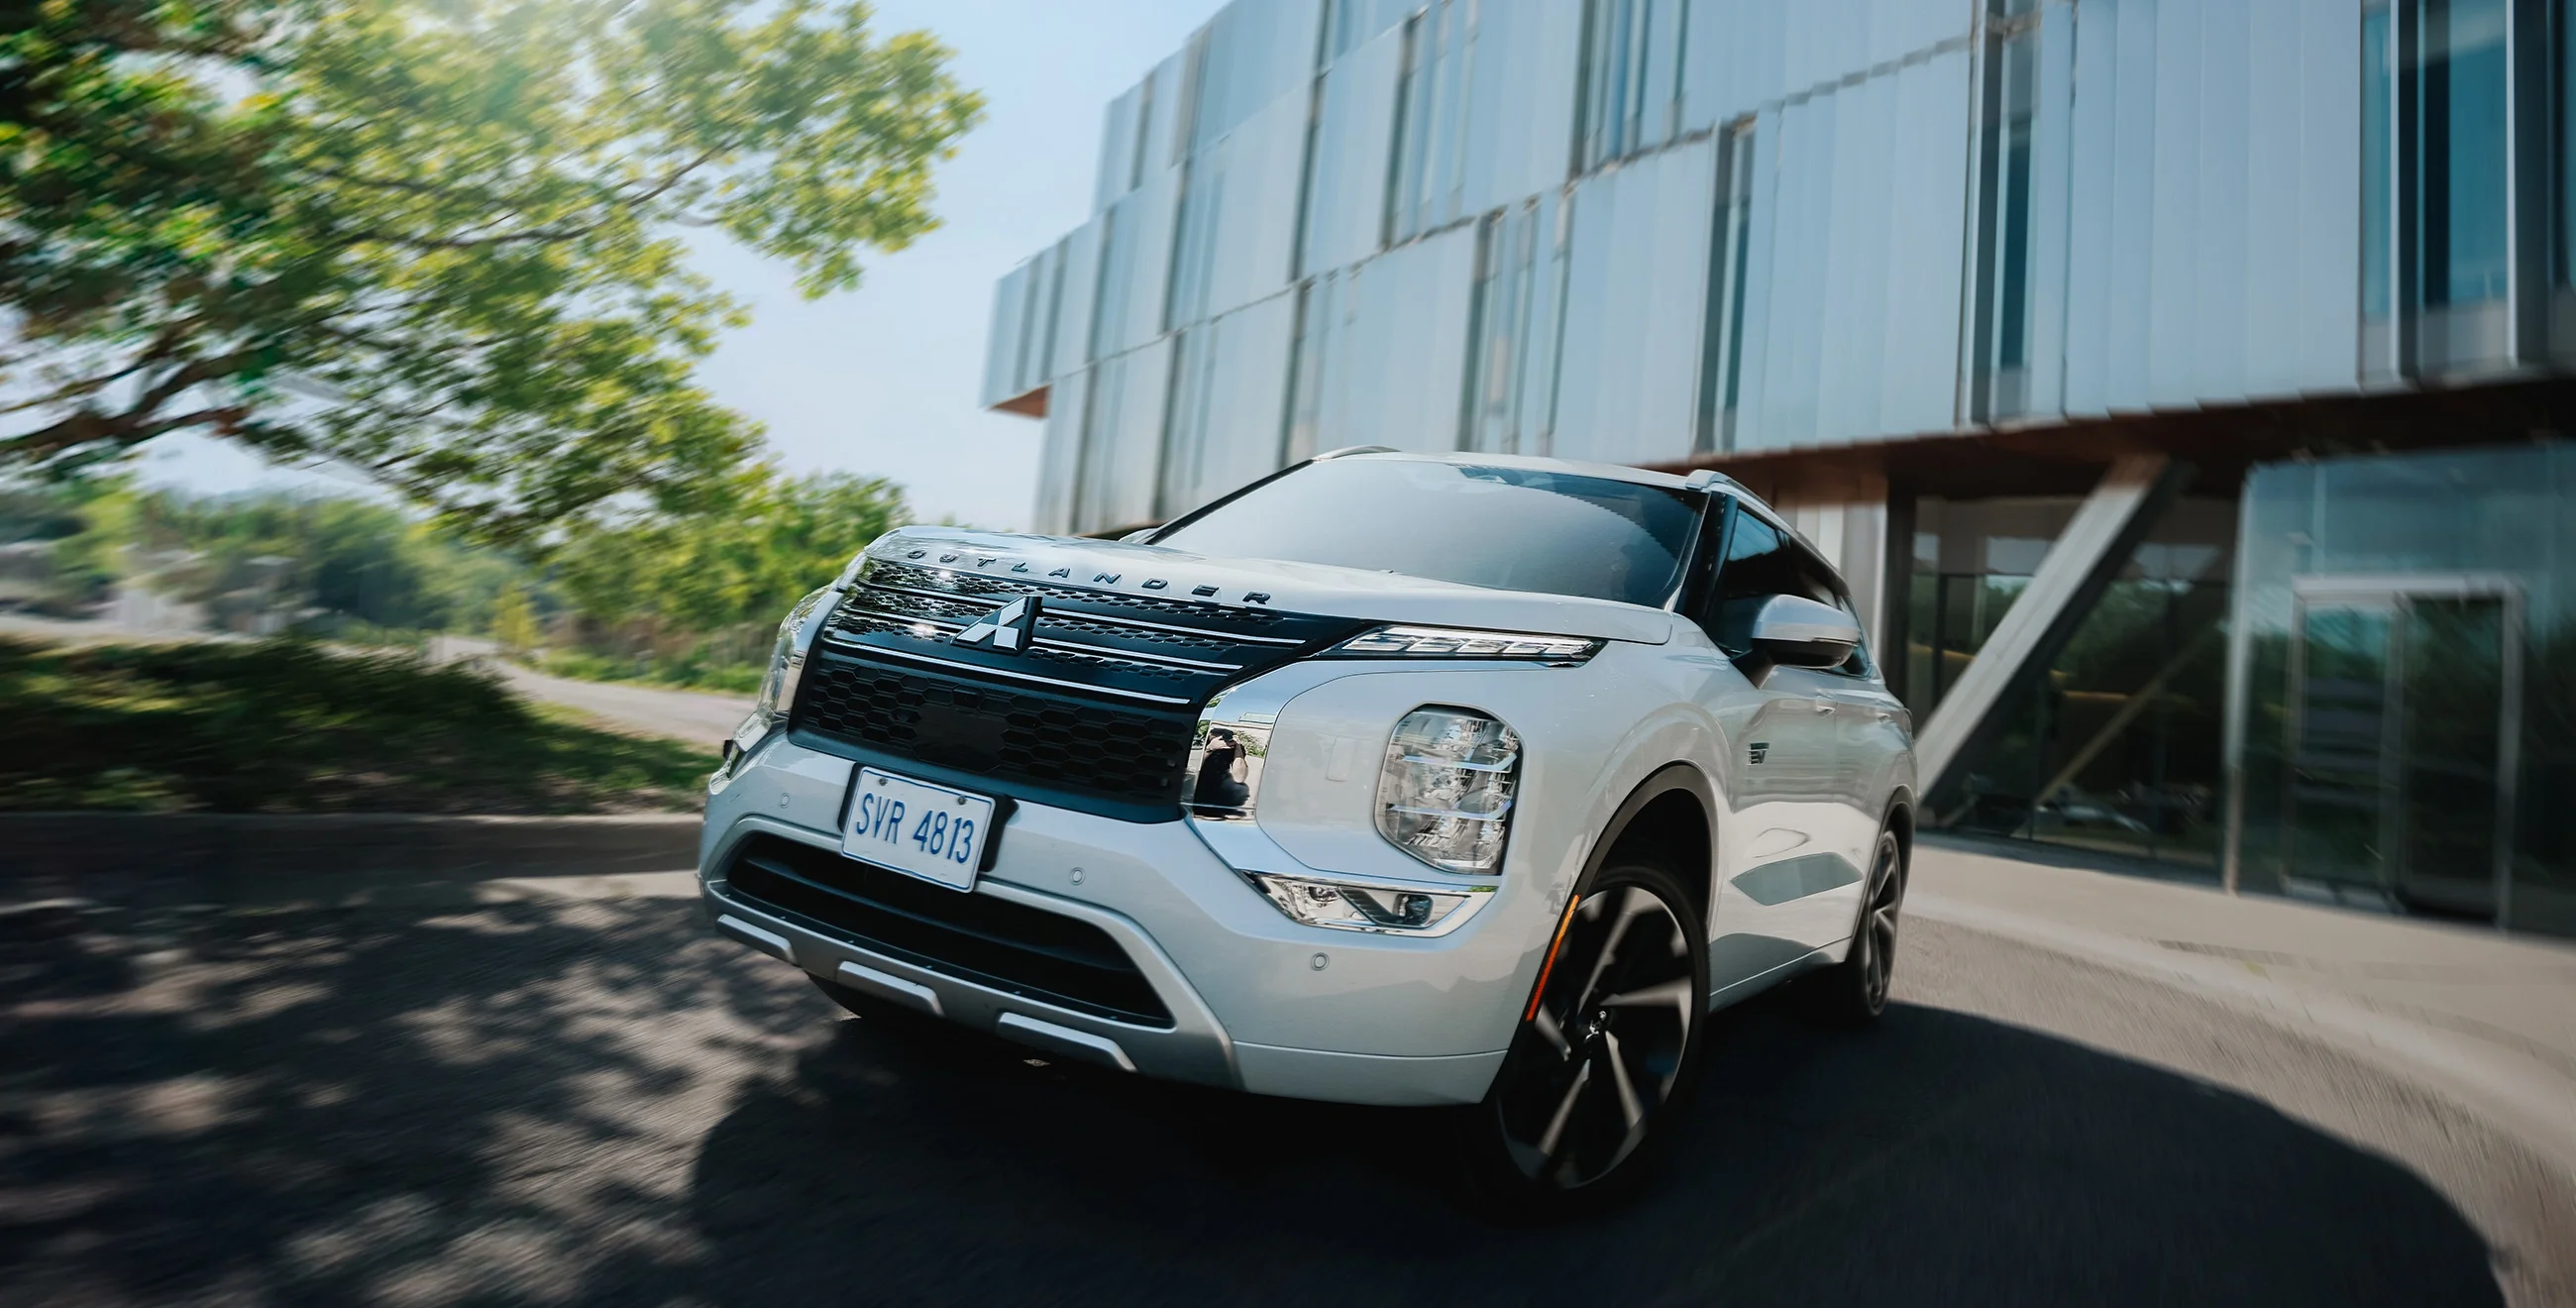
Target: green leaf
{"type": "Point", "coordinates": [437, 239]}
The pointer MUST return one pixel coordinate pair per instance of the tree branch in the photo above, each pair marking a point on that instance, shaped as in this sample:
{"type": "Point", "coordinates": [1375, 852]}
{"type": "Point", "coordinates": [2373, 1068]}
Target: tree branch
{"type": "Point", "coordinates": [163, 346]}
{"type": "Point", "coordinates": [91, 428]}
{"type": "Point", "coordinates": [544, 234]}
{"type": "Point", "coordinates": [137, 422]}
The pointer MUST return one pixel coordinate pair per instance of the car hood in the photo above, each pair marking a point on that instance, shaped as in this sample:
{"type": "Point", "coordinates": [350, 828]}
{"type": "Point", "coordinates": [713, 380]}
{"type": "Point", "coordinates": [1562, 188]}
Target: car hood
{"type": "Point", "coordinates": [1151, 570]}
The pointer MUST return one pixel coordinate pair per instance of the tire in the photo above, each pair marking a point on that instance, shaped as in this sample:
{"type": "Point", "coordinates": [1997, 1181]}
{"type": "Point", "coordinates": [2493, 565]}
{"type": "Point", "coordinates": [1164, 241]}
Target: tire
{"type": "Point", "coordinates": [1854, 992]}
{"type": "Point", "coordinates": [1590, 1094]}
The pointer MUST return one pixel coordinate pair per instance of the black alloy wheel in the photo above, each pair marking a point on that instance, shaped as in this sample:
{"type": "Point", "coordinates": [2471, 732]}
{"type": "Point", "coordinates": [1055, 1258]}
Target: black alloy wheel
{"type": "Point", "coordinates": [1854, 991]}
{"type": "Point", "coordinates": [1585, 1094]}
{"type": "Point", "coordinates": [1877, 931]}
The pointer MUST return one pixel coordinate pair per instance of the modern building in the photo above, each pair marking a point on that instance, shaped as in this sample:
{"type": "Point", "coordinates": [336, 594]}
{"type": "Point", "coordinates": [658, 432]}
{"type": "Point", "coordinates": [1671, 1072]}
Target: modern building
{"type": "Point", "coordinates": [2178, 382]}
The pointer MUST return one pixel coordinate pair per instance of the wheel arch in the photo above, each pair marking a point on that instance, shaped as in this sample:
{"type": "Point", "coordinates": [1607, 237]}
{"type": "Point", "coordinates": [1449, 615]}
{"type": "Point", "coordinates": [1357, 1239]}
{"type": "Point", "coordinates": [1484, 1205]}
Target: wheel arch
{"type": "Point", "coordinates": [1673, 811]}
{"type": "Point", "coordinates": [1900, 819]}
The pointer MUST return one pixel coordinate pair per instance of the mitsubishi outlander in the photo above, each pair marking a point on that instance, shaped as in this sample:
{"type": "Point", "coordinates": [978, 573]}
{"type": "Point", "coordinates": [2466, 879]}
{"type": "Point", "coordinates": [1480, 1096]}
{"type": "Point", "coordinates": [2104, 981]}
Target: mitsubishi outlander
{"type": "Point", "coordinates": [1401, 779]}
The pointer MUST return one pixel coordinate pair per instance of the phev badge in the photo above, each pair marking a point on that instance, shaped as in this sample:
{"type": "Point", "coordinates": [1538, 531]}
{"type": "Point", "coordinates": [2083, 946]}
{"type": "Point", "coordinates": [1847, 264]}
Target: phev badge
{"type": "Point", "coordinates": [1008, 630]}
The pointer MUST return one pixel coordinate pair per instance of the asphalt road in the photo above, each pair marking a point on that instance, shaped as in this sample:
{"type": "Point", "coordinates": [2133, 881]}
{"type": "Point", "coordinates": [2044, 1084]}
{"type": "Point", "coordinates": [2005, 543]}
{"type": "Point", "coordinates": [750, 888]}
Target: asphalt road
{"type": "Point", "coordinates": [596, 1102]}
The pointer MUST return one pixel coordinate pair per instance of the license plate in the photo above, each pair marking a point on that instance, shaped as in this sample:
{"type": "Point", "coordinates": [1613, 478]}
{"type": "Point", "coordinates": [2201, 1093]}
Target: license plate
{"type": "Point", "coordinates": [920, 830]}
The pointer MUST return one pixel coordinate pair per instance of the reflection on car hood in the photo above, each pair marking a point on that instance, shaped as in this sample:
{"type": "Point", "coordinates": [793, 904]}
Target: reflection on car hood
{"type": "Point", "coordinates": [1289, 587]}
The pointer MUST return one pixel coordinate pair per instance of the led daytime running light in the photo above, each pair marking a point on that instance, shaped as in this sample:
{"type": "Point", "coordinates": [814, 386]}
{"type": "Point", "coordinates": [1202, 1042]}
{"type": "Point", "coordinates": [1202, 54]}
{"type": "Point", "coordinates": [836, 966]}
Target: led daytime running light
{"type": "Point", "coordinates": [1460, 643]}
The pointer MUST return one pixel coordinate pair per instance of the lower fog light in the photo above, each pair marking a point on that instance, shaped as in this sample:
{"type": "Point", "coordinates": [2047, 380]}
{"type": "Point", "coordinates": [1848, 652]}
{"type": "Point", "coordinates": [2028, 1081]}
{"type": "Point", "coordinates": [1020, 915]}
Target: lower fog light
{"type": "Point", "coordinates": [1352, 907]}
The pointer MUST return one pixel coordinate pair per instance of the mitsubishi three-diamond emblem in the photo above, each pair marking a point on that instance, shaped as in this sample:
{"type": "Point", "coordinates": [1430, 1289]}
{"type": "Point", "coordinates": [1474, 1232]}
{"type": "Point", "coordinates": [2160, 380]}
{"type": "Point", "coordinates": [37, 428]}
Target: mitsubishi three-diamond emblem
{"type": "Point", "coordinates": [1007, 630]}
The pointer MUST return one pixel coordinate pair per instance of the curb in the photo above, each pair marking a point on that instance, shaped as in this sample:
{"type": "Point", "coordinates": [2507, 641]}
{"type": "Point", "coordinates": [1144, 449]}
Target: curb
{"type": "Point", "coordinates": [159, 858]}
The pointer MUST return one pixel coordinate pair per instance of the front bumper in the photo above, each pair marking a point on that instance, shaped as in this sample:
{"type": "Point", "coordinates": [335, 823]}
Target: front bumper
{"type": "Point", "coordinates": [1258, 1002]}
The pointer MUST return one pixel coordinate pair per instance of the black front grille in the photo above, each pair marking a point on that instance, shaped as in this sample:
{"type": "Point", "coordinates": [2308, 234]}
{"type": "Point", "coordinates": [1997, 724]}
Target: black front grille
{"type": "Point", "coordinates": [1051, 742]}
{"type": "Point", "coordinates": [1027, 951]}
{"type": "Point", "coordinates": [1095, 714]}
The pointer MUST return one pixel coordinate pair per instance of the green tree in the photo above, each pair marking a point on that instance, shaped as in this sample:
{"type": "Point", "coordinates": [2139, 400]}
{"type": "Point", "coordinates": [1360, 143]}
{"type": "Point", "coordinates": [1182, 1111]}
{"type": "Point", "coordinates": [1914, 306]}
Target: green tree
{"type": "Point", "coordinates": [441, 240]}
{"type": "Point", "coordinates": [514, 621]}
{"type": "Point", "coordinates": [329, 565]}
{"type": "Point", "coordinates": [83, 524]}
{"type": "Point", "coordinates": [741, 568]}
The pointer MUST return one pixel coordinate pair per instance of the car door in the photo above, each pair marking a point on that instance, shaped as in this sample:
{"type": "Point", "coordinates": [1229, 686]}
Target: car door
{"type": "Point", "coordinates": [1785, 840]}
{"type": "Point", "coordinates": [1875, 732]}
{"type": "Point", "coordinates": [1872, 732]}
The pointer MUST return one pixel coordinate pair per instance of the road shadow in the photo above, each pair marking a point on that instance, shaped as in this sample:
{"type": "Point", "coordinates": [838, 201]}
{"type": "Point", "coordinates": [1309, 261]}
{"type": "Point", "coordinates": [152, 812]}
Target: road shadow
{"type": "Point", "coordinates": [1936, 1158]}
{"type": "Point", "coordinates": [428, 1104]}
{"type": "Point", "coordinates": [601, 1103]}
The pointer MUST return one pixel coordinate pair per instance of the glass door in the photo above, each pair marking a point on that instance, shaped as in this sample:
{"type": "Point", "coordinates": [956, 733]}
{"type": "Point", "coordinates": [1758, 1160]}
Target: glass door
{"type": "Point", "coordinates": [2339, 775]}
{"type": "Point", "coordinates": [2454, 763]}
{"type": "Point", "coordinates": [2404, 696]}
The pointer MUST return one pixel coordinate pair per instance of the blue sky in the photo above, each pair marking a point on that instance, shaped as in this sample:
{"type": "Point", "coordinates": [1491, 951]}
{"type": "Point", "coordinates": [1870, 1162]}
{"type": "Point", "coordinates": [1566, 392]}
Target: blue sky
{"type": "Point", "coordinates": [883, 380]}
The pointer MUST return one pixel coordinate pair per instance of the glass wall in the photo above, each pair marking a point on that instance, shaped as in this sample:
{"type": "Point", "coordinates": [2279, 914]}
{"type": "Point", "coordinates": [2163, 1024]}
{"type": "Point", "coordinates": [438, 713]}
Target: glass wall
{"type": "Point", "coordinates": [1520, 288]}
{"type": "Point", "coordinates": [2022, 196]}
{"type": "Point", "coordinates": [1677, 229]}
{"type": "Point", "coordinates": [1347, 164]}
{"type": "Point", "coordinates": [1853, 282]}
{"type": "Point", "coordinates": [1721, 369]}
{"type": "Point", "coordinates": [2403, 727]}
{"type": "Point", "coordinates": [2452, 110]}
{"type": "Point", "coordinates": [2379, 168]}
{"type": "Point", "coordinates": [1971, 560]}
{"type": "Point", "coordinates": [1381, 350]}
{"type": "Point", "coordinates": [1229, 382]}
{"type": "Point", "coordinates": [1236, 240]}
{"type": "Point", "coordinates": [2116, 747]}
{"type": "Point", "coordinates": [1631, 76]}
{"type": "Point", "coordinates": [1636, 302]}
{"type": "Point", "coordinates": [1430, 125]}
{"type": "Point", "coordinates": [1122, 437]}
{"type": "Point", "coordinates": [2559, 59]}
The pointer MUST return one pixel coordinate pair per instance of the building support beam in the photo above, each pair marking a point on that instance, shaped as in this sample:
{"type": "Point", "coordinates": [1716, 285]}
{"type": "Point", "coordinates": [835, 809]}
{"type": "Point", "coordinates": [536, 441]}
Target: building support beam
{"type": "Point", "coordinates": [2083, 562]}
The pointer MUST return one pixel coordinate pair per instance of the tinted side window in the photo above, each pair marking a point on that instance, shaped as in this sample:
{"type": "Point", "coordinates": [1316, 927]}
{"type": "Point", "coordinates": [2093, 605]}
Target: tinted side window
{"type": "Point", "coordinates": [1759, 562]}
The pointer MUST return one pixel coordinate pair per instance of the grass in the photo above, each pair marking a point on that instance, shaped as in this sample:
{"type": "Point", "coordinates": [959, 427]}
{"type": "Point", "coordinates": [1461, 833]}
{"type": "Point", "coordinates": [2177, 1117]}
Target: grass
{"type": "Point", "coordinates": [288, 727]}
{"type": "Point", "coordinates": [681, 674]}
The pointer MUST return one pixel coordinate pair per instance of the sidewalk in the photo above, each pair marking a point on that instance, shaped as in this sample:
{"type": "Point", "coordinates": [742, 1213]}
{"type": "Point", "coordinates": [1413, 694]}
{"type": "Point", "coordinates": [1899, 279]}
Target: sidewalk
{"type": "Point", "coordinates": [2487, 1019]}
{"type": "Point", "coordinates": [698, 716]}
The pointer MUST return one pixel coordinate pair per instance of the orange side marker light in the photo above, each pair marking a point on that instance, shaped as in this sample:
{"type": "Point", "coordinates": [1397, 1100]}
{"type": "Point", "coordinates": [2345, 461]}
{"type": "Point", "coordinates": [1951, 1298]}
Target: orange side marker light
{"type": "Point", "coordinates": [1539, 991]}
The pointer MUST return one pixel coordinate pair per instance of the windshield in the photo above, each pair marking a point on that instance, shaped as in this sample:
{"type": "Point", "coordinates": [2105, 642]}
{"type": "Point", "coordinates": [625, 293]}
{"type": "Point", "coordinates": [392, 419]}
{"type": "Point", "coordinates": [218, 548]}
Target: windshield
{"type": "Point", "coordinates": [1509, 528]}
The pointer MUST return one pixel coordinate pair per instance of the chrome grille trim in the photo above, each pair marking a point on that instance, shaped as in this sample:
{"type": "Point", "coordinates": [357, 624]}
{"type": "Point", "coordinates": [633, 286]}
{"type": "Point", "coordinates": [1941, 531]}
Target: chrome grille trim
{"type": "Point", "coordinates": [1077, 592]}
{"type": "Point", "coordinates": [978, 669]}
{"type": "Point", "coordinates": [1050, 642]}
{"type": "Point", "coordinates": [905, 618]}
{"type": "Point", "coordinates": [1222, 636]}
{"type": "Point", "coordinates": [953, 596]}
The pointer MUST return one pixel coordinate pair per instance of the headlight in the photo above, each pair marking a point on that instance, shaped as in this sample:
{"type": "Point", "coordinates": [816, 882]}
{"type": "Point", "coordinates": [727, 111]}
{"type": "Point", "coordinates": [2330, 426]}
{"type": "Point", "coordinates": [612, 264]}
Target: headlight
{"type": "Point", "coordinates": [786, 669]}
{"type": "Point", "coordinates": [1222, 789]}
{"type": "Point", "coordinates": [1445, 793]}
{"type": "Point", "coordinates": [1460, 643]}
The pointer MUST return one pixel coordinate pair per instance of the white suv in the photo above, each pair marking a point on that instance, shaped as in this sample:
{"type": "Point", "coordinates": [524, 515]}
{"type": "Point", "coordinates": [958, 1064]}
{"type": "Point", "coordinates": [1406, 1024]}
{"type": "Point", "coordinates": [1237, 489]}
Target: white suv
{"type": "Point", "coordinates": [1388, 779]}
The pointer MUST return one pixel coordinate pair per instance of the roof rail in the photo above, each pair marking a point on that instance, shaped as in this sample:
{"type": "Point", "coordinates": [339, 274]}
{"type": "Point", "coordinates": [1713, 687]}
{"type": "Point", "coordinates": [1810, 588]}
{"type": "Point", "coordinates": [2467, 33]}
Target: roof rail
{"type": "Point", "coordinates": [1348, 450]}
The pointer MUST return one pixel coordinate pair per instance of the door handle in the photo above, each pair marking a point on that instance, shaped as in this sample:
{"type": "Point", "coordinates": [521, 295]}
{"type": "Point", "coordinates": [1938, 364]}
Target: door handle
{"type": "Point", "coordinates": [1824, 705]}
